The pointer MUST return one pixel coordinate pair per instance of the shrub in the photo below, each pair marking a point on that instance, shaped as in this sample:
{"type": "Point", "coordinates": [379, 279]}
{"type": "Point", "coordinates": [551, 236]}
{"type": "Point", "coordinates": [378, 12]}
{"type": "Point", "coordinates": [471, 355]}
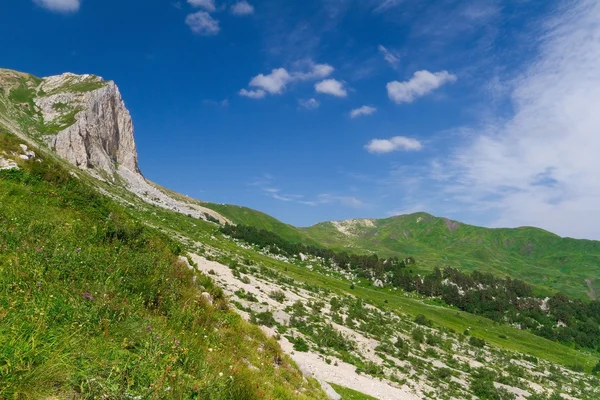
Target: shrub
{"type": "Point", "coordinates": [263, 318]}
{"type": "Point", "coordinates": [442, 373]}
{"type": "Point", "coordinates": [596, 369]}
{"type": "Point", "coordinates": [418, 335]}
{"type": "Point", "coordinates": [476, 342]}
{"type": "Point", "coordinates": [278, 295]}
{"type": "Point", "coordinates": [423, 320]}
{"type": "Point", "coordinates": [300, 344]}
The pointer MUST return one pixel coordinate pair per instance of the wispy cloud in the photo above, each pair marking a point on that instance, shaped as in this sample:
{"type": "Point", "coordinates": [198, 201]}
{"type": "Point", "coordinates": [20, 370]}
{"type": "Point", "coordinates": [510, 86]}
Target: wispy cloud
{"type": "Point", "coordinates": [266, 185]}
{"type": "Point", "coordinates": [208, 5]}
{"type": "Point", "coordinates": [242, 8]}
{"type": "Point", "coordinates": [309, 104]}
{"type": "Point", "coordinates": [327, 198]}
{"type": "Point", "coordinates": [383, 5]}
{"type": "Point", "coordinates": [539, 167]}
{"type": "Point", "coordinates": [332, 87]}
{"type": "Point", "coordinates": [277, 80]}
{"type": "Point", "coordinates": [202, 23]}
{"type": "Point", "coordinates": [253, 94]}
{"type": "Point", "coordinates": [393, 144]}
{"type": "Point", "coordinates": [390, 56]}
{"type": "Point", "coordinates": [364, 110]}
{"type": "Point", "coordinates": [422, 83]}
{"type": "Point", "coordinates": [61, 6]}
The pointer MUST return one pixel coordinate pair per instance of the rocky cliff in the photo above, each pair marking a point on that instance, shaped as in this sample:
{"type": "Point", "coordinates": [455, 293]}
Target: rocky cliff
{"type": "Point", "coordinates": [84, 120]}
{"type": "Point", "coordinates": [101, 136]}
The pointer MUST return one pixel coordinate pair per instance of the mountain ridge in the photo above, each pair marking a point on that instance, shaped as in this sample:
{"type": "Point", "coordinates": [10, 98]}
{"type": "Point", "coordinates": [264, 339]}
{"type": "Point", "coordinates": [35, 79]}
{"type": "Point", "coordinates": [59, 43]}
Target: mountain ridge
{"type": "Point", "coordinates": [83, 119]}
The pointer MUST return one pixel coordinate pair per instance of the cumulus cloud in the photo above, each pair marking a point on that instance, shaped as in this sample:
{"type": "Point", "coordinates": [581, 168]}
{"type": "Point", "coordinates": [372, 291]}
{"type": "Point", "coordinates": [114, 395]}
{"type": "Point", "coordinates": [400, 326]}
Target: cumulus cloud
{"type": "Point", "coordinates": [422, 83]}
{"type": "Point", "coordinates": [253, 94]}
{"type": "Point", "coordinates": [332, 87]}
{"type": "Point", "coordinates": [208, 5]}
{"type": "Point", "coordinates": [309, 104]}
{"type": "Point", "coordinates": [202, 23]}
{"type": "Point", "coordinates": [393, 144]}
{"type": "Point", "coordinates": [389, 56]}
{"type": "Point", "coordinates": [540, 166]}
{"type": "Point", "coordinates": [274, 82]}
{"type": "Point", "coordinates": [364, 110]}
{"type": "Point", "coordinates": [62, 6]}
{"type": "Point", "coordinates": [242, 8]}
{"type": "Point", "coordinates": [277, 81]}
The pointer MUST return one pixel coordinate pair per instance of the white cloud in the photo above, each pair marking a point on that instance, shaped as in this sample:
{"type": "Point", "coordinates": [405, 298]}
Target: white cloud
{"type": "Point", "coordinates": [332, 87]}
{"type": "Point", "coordinates": [326, 198]}
{"type": "Point", "coordinates": [273, 83]}
{"type": "Point", "coordinates": [364, 110]}
{"type": "Point", "coordinates": [63, 6]}
{"type": "Point", "coordinates": [383, 5]}
{"type": "Point", "coordinates": [390, 56]}
{"type": "Point", "coordinates": [309, 104]}
{"type": "Point", "coordinates": [393, 144]}
{"type": "Point", "coordinates": [422, 83]}
{"type": "Point", "coordinates": [208, 5]}
{"type": "Point", "coordinates": [277, 81]}
{"type": "Point", "coordinates": [253, 94]}
{"type": "Point", "coordinates": [540, 167]}
{"type": "Point", "coordinates": [314, 71]}
{"type": "Point", "coordinates": [242, 8]}
{"type": "Point", "coordinates": [202, 23]}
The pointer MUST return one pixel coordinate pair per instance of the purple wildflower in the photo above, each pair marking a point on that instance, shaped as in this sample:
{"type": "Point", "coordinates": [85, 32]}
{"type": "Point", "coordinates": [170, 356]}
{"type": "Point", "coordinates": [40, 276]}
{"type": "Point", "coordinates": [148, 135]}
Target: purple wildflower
{"type": "Point", "coordinates": [149, 327]}
{"type": "Point", "coordinates": [88, 296]}
{"type": "Point", "coordinates": [39, 284]}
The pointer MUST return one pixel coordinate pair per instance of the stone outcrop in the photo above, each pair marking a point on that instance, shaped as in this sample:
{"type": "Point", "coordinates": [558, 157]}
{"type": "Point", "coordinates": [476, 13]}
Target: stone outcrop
{"type": "Point", "coordinates": [101, 137]}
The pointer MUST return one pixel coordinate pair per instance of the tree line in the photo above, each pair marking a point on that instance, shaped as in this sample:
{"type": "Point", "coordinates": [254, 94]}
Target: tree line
{"type": "Point", "coordinates": [505, 300]}
{"type": "Point", "coordinates": [366, 266]}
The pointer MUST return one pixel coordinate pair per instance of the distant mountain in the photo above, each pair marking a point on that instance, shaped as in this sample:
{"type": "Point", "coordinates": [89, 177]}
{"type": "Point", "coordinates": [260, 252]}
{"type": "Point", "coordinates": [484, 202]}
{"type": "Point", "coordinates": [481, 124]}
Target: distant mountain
{"type": "Point", "coordinates": [545, 260]}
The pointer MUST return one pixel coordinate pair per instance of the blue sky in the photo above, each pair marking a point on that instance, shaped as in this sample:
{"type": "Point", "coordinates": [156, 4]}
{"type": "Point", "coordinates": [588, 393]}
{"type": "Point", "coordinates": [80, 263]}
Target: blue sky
{"type": "Point", "coordinates": [478, 110]}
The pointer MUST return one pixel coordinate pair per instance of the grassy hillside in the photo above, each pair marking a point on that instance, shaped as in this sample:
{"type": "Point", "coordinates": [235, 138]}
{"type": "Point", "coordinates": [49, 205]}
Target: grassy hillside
{"type": "Point", "coordinates": [94, 304]}
{"type": "Point", "coordinates": [247, 216]}
{"type": "Point", "coordinates": [533, 255]}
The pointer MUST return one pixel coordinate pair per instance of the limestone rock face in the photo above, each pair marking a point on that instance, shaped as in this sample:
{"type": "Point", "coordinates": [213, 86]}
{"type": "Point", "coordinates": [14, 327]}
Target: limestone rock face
{"type": "Point", "coordinates": [101, 137]}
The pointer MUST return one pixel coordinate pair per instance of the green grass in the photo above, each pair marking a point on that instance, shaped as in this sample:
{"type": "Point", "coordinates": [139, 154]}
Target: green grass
{"type": "Point", "coordinates": [388, 299]}
{"type": "Point", "coordinates": [95, 304]}
{"type": "Point", "coordinates": [349, 394]}
{"type": "Point", "coordinates": [548, 262]}
{"type": "Point", "coordinates": [247, 216]}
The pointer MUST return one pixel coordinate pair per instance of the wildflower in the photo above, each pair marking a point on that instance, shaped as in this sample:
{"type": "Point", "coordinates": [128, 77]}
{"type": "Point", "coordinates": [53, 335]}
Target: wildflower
{"type": "Point", "coordinates": [39, 284]}
{"type": "Point", "coordinates": [177, 342]}
{"type": "Point", "coordinates": [149, 327]}
{"type": "Point", "coordinates": [78, 249]}
{"type": "Point", "coordinates": [88, 296]}
{"type": "Point", "coordinates": [220, 374]}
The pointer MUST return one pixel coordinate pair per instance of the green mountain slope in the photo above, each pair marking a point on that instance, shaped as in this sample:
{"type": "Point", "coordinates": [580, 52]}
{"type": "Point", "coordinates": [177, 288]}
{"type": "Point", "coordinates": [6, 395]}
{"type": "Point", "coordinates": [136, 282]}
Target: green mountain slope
{"type": "Point", "coordinates": [257, 219]}
{"type": "Point", "coordinates": [541, 258]}
{"type": "Point", "coordinates": [533, 255]}
{"type": "Point", "coordinates": [95, 304]}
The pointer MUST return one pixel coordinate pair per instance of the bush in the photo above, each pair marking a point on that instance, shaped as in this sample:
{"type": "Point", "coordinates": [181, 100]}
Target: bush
{"type": "Point", "coordinates": [418, 335]}
{"type": "Point", "coordinates": [596, 370]}
{"type": "Point", "coordinates": [278, 295]}
{"type": "Point", "coordinates": [423, 320]}
{"type": "Point", "coordinates": [263, 318]}
{"type": "Point", "coordinates": [300, 344]}
{"type": "Point", "coordinates": [476, 342]}
{"type": "Point", "coordinates": [442, 373]}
